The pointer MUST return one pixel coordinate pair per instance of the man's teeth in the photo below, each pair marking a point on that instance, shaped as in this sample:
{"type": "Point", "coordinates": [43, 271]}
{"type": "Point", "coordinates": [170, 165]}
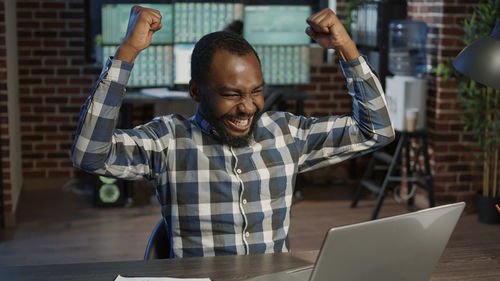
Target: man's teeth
{"type": "Point", "coordinates": [243, 122]}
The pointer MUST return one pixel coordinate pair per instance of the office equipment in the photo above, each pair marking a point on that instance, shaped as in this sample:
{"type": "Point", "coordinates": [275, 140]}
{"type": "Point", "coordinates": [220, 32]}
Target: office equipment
{"type": "Point", "coordinates": [407, 53]}
{"type": "Point", "coordinates": [277, 31]}
{"type": "Point", "coordinates": [276, 24]}
{"type": "Point", "coordinates": [115, 21]}
{"type": "Point", "coordinates": [479, 61]}
{"type": "Point", "coordinates": [282, 65]}
{"type": "Point", "coordinates": [405, 247]}
{"type": "Point", "coordinates": [193, 20]}
{"type": "Point", "coordinates": [110, 192]}
{"type": "Point", "coordinates": [403, 93]}
{"type": "Point", "coordinates": [152, 68]}
{"type": "Point", "coordinates": [277, 34]}
{"type": "Point", "coordinates": [182, 63]}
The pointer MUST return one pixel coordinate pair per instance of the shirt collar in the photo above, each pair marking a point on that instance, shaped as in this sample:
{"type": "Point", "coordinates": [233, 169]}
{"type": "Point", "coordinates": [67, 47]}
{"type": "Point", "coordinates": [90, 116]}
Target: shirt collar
{"type": "Point", "coordinates": [203, 124]}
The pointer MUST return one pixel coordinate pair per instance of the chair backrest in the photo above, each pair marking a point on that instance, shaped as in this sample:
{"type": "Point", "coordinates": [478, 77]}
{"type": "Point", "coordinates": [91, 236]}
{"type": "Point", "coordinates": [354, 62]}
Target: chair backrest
{"type": "Point", "coordinates": [159, 243]}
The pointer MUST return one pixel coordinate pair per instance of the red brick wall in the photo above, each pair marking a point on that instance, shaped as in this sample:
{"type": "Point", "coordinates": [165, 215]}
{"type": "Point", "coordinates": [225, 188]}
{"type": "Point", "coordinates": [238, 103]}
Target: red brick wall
{"type": "Point", "coordinates": [329, 91]}
{"type": "Point", "coordinates": [456, 177]}
{"type": "Point", "coordinates": [54, 82]}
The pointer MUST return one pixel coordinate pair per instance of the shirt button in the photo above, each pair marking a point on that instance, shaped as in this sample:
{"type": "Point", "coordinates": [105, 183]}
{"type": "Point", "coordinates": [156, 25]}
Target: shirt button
{"type": "Point", "coordinates": [238, 171]}
{"type": "Point", "coordinates": [247, 234]}
{"type": "Point", "coordinates": [244, 201]}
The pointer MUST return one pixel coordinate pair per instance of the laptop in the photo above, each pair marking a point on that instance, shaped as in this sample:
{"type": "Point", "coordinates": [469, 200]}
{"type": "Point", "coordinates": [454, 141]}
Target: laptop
{"type": "Point", "coordinates": [399, 248]}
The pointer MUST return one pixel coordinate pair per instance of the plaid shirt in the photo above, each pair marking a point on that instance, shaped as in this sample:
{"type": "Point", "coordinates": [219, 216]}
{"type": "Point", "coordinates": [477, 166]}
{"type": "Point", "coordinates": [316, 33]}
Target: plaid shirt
{"type": "Point", "coordinates": [215, 199]}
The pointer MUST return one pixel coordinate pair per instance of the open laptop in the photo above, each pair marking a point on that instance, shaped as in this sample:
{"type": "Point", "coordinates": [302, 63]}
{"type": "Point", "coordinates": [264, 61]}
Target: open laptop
{"type": "Point", "coordinates": [405, 247]}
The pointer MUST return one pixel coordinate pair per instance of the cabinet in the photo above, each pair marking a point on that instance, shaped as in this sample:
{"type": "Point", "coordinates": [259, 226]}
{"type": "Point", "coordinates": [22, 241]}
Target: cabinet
{"type": "Point", "coordinates": [370, 31]}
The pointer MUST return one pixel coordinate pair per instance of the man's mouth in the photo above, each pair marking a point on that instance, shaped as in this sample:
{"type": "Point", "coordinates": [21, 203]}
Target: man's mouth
{"type": "Point", "coordinates": [240, 125]}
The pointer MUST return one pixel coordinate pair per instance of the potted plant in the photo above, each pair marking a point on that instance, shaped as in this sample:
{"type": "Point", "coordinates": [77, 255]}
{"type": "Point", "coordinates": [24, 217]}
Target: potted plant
{"type": "Point", "coordinates": [481, 107]}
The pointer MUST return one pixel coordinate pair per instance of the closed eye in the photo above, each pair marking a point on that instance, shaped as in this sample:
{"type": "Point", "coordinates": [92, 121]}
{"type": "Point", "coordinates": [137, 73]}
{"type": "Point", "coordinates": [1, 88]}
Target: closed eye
{"type": "Point", "coordinates": [230, 95]}
{"type": "Point", "coordinates": [257, 91]}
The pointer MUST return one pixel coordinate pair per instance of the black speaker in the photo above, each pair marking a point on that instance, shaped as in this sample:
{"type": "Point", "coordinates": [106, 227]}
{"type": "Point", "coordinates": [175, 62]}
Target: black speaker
{"type": "Point", "coordinates": [109, 192]}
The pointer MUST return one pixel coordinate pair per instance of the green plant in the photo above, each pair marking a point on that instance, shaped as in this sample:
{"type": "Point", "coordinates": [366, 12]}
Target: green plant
{"type": "Point", "coordinates": [347, 15]}
{"type": "Point", "coordinates": [480, 104]}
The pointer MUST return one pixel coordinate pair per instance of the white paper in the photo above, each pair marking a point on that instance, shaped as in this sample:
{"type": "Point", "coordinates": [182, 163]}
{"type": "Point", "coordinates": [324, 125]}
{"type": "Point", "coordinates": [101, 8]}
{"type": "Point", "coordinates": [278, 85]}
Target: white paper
{"type": "Point", "coordinates": [122, 278]}
{"type": "Point", "coordinates": [164, 93]}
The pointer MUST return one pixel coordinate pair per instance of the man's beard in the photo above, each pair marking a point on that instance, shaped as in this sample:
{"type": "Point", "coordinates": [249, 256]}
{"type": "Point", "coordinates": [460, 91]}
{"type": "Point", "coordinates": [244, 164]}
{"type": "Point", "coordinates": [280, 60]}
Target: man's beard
{"type": "Point", "coordinates": [218, 125]}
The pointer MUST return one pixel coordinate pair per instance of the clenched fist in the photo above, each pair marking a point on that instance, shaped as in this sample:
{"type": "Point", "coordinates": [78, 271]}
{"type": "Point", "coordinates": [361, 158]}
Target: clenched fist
{"type": "Point", "coordinates": [327, 30]}
{"type": "Point", "coordinates": [143, 22]}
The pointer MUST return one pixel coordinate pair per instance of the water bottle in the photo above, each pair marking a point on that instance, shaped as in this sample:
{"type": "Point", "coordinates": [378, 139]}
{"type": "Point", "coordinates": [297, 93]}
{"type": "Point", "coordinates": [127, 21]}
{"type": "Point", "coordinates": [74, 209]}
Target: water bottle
{"type": "Point", "coordinates": [407, 41]}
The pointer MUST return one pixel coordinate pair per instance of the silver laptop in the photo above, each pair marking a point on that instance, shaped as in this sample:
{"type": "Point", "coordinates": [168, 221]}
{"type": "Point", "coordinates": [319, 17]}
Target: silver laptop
{"type": "Point", "coordinates": [399, 248]}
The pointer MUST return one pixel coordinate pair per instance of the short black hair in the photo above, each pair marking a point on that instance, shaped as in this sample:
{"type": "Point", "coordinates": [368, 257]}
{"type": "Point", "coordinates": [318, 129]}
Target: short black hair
{"type": "Point", "coordinates": [205, 48]}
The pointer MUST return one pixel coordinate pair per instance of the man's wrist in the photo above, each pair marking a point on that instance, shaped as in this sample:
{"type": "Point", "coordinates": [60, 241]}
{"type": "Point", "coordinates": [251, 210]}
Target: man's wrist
{"type": "Point", "coordinates": [126, 53]}
{"type": "Point", "coordinates": [349, 51]}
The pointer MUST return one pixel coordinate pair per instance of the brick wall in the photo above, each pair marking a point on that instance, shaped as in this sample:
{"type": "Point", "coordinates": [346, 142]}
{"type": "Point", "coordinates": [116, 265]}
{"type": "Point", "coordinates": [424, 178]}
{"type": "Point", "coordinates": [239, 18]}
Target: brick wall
{"type": "Point", "coordinates": [456, 177]}
{"type": "Point", "coordinates": [54, 82]}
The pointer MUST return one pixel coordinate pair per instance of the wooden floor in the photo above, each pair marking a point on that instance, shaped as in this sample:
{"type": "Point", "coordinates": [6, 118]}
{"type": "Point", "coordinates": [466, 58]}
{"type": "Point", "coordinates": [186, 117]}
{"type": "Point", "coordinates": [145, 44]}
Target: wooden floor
{"type": "Point", "coordinates": [58, 226]}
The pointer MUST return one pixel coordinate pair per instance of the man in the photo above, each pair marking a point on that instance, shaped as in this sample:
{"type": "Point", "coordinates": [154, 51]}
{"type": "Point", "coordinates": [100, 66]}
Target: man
{"type": "Point", "coordinates": [225, 177]}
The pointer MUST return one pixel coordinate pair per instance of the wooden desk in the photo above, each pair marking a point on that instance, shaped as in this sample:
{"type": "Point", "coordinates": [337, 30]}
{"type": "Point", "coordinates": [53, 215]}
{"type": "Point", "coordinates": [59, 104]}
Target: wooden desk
{"type": "Point", "coordinates": [217, 268]}
{"type": "Point", "coordinates": [462, 260]}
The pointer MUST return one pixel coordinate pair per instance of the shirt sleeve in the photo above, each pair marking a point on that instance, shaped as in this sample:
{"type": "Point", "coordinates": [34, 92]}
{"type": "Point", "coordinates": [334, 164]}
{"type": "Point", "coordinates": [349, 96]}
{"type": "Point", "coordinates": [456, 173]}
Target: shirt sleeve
{"type": "Point", "coordinates": [101, 149]}
{"type": "Point", "coordinates": [329, 140]}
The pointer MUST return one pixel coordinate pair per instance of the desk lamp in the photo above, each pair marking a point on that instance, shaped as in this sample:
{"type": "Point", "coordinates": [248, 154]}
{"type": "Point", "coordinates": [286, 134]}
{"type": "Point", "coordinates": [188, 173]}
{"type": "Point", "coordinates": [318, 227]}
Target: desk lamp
{"type": "Point", "coordinates": [480, 61]}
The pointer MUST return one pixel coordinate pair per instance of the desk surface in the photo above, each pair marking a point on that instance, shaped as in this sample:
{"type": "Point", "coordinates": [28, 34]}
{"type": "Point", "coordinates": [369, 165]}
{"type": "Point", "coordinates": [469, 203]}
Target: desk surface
{"type": "Point", "coordinates": [457, 263]}
{"type": "Point", "coordinates": [217, 268]}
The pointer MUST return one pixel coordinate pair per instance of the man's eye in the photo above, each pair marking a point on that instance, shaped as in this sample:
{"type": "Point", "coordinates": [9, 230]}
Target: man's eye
{"type": "Point", "coordinates": [257, 92]}
{"type": "Point", "coordinates": [230, 95]}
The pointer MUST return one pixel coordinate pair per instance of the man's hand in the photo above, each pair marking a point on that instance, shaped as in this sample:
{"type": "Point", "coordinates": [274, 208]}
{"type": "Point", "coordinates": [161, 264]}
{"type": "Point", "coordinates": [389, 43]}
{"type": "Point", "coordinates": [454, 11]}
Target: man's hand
{"type": "Point", "coordinates": [327, 30]}
{"type": "Point", "coordinates": [143, 22]}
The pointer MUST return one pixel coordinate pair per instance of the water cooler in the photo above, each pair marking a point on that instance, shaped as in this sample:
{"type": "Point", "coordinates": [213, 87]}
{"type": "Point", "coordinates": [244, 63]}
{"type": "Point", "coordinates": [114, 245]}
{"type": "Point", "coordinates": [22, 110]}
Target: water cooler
{"type": "Point", "coordinates": [406, 95]}
{"type": "Point", "coordinates": [405, 91]}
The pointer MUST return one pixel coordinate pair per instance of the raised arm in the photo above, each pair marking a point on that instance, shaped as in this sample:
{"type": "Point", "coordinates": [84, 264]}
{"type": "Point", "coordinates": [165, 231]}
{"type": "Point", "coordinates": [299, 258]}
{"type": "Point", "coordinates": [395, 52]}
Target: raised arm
{"type": "Point", "coordinates": [100, 148]}
{"type": "Point", "coordinates": [328, 140]}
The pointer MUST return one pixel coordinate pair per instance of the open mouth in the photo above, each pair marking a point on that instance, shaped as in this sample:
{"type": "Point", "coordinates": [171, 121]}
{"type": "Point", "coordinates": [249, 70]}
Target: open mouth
{"type": "Point", "coordinates": [239, 125]}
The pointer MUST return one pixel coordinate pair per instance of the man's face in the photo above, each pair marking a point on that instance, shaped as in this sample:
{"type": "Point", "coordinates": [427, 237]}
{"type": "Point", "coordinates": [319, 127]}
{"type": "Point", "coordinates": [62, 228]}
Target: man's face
{"type": "Point", "coordinates": [231, 99]}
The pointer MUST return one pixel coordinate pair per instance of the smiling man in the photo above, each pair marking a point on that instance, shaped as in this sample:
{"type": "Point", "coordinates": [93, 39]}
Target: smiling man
{"type": "Point", "coordinates": [225, 177]}
{"type": "Point", "coordinates": [230, 93]}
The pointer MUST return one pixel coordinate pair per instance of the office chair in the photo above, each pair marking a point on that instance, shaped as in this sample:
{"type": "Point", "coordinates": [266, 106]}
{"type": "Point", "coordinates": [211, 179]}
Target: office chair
{"type": "Point", "coordinates": [159, 243]}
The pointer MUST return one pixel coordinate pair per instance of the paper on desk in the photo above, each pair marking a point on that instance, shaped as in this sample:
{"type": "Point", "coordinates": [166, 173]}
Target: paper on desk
{"type": "Point", "coordinates": [121, 278]}
{"type": "Point", "coordinates": [164, 93]}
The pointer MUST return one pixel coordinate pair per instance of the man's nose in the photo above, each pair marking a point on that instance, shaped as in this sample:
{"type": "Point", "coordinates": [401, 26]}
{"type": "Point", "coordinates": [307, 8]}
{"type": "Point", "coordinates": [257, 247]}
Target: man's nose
{"type": "Point", "coordinates": [246, 105]}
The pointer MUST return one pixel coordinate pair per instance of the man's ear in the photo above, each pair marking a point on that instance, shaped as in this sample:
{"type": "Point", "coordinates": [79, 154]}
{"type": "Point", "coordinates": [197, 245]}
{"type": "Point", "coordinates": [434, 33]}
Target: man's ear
{"type": "Point", "coordinates": [194, 90]}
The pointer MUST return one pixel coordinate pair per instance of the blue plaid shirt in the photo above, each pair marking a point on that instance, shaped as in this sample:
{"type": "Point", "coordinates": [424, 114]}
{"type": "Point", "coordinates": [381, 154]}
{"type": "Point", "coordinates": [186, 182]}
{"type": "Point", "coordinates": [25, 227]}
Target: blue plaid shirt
{"type": "Point", "coordinates": [216, 199]}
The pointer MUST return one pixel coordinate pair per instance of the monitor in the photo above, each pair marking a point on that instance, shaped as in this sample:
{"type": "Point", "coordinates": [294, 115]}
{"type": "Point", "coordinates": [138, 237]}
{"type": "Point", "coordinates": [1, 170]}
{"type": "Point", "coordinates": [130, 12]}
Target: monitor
{"type": "Point", "coordinates": [115, 20]}
{"type": "Point", "coordinates": [182, 63]}
{"type": "Point", "coordinates": [193, 20]}
{"type": "Point", "coordinates": [276, 24]}
{"type": "Point", "coordinates": [152, 68]}
{"type": "Point", "coordinates": [283, 65]}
